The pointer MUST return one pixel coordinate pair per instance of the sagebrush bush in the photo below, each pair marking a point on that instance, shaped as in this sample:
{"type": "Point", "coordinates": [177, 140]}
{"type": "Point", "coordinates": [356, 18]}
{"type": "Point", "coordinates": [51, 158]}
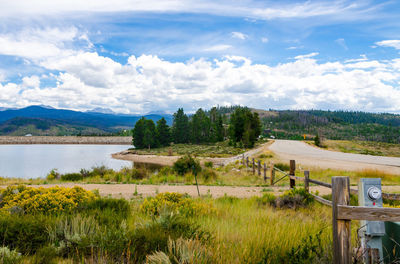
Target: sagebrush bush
{"type": "Point", "coordinates": [294, 198]}
{"type": "Point", "coordinates": [44, 200]}
{"type": "Point", "coordinates": [187, 164]}
{"type": "Point", "coordinates": [177, 203]}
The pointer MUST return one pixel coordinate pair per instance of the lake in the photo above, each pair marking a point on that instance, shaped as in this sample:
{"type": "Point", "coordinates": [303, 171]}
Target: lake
{"type": "Point", "coordinates": [33, 161]}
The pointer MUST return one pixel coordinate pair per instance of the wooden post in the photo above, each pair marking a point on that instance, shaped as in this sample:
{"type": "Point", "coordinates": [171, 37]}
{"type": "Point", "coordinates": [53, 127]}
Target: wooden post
{"type": "Point", "coordinates": [292, 173]}
{"type": "Point", "coordinates": [272, 179]}
{"type": "Point", "coordinates": [254, 169]}
{"type": "Point", "coordinates": [341, 228]}
{"type": "Point", "coordinates": [259, 168]}
{"type": "Point", "coordinates": [247, 162]}
{"type": "Point", "coordinates": [306, 182]}
{"type": "Point", "coordinates": [265, 172]}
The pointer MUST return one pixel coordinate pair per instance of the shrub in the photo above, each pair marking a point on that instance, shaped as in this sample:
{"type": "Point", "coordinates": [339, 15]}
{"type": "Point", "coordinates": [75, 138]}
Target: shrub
{"type": "Point", "coordinates": [187, 164]}
{"type": "Point", "coordinates": [208, 174]}
{"type": "Point", "coordinates": [25, 233]}
{"type": "Point", "coordinates": [100, 171]}
{"type": "Point", "coordinates": [71, 177]}
{"type": "Point", "coordinates": [108, 210]}
{"type": "Point", "coordinates": [8, 256]}
{"type": "Point", "coordinates": [267, 198]}
{"type": "Point", "coordinates": [176, 203]}
{"type": "Point", "coordinates": [294, 198]}
{"type": "Point", "coordinates": [208, 164]}
{"type": "Point", "coordinates": [46, 254]}
{"type": "Point", "coordinates": [53, 174]}
{"type": "Point", "coordinates": [45, 200]}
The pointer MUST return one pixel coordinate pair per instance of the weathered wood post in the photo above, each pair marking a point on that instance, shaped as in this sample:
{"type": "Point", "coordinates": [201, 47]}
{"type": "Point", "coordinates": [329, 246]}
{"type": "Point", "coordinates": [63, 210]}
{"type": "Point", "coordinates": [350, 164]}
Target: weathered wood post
{"type": "Point", "coordinates": [247, 162]}
{"type": "Point", "coordinates": [292, 173]}
{"type": "Point", "coordinates": [272, 179]}
{"type": "Point", "coordinates": [265, 172]}
{"type": "Point", "coordinates": [259, 168]}
{"type": "Point", "coordinates": [306, 182]}
{"type": "Point", "coordinates": [341, 228]}
{"type": "Point", "coordinates": [254, 166]}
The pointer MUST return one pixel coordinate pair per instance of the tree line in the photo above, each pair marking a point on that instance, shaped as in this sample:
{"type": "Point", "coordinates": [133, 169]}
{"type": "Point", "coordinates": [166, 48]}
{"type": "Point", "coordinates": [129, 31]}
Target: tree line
{"type": "Point", "coordinates": [242, 129]}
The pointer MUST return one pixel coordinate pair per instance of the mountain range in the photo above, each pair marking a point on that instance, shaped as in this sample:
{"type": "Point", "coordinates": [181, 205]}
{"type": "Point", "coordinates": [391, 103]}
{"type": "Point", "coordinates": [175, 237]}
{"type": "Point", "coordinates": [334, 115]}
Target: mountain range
{"type": "Point", "coordinates": [42, 120]}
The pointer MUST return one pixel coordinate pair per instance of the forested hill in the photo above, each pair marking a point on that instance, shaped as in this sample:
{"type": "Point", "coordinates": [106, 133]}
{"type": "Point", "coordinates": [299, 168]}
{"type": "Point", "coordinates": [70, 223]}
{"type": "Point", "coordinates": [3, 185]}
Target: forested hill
{"type": "Point", "coordinates": [328, 124]}
{"type": "Point", "coordinates": [333, 125]}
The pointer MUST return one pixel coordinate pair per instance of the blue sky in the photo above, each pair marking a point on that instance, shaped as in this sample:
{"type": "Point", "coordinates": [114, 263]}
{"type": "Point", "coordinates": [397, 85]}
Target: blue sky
{"type": "Point", "coordinates": [143, 56]}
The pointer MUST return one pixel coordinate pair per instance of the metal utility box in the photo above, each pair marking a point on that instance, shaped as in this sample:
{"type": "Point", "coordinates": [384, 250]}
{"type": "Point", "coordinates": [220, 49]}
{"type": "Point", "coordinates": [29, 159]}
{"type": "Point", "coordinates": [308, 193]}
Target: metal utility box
{"type": "Point", "coordinates": [371, 232]}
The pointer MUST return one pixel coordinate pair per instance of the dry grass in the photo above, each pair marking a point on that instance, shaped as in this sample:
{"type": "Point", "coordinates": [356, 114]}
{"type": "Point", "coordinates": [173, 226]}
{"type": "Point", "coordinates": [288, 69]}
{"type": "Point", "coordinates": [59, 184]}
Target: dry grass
{"type": "Point", "coordinates": [364, 147]}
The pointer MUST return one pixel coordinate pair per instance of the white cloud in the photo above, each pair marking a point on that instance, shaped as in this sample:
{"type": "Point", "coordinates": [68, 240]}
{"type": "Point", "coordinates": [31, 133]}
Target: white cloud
{"type": "Point", "coordinates": [239, 35]}
{"type": "Point", "coordinates": [264, 40]}
{"type": "Point", "coordinates": [393, 43]}
{"type": "Point", "coordinates": [310, 55]}
{"type": "Point", "coordinates": [37, 44]}
{"type": "Point", "coordinates": [145, 83]}
{"type": "Point", "coordinates": [32, 81]}
{"type": "Point", "coordinates": [220, 47]}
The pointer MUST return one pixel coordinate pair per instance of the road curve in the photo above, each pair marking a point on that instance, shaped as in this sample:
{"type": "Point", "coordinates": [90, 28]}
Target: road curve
{"type": "Point", "coordinates": [312, 156]}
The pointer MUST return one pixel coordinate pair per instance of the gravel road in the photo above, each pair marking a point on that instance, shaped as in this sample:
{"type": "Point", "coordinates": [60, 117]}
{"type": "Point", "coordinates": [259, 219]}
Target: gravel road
{"type": "Point", "coordinates": [307, 155]}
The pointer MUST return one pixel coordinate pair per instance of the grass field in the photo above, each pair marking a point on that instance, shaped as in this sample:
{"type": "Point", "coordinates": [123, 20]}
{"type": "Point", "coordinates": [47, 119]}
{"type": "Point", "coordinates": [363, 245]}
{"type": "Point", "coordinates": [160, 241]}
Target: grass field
{"type": "Point", "coordinates": [364, 147]}
{"type": "Point", "coordinates": [160, 229]}
{"type": "Point", "coordinates": [213, 150]}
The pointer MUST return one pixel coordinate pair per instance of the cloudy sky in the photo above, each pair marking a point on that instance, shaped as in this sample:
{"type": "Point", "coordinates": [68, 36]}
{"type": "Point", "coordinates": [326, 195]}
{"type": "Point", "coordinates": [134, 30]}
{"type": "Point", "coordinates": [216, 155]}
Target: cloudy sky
{"type": "Point", "coordinates": [139, 56]}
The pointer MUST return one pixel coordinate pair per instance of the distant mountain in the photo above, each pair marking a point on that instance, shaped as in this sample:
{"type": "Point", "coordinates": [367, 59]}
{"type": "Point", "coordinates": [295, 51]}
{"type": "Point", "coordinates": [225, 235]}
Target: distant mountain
{"type": "Point", "coordinates": [104, 122]}
{"type": "Point", "coordinates": [101, 110]}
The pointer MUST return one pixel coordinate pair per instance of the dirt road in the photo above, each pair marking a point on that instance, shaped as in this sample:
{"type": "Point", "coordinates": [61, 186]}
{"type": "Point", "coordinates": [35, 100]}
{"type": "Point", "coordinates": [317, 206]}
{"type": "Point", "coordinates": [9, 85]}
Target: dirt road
{"type": "Point", "coordinates": [309, 156]}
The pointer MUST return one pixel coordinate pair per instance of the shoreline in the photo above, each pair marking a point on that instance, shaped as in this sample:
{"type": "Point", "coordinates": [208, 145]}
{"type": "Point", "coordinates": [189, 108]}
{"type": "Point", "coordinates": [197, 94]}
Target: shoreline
{"type": "Point", "coordinates": [24, 140]}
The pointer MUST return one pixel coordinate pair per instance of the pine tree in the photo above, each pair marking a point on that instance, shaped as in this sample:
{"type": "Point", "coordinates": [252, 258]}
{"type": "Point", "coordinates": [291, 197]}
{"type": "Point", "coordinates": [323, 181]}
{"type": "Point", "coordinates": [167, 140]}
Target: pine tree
{"type": "Point", "coordinates": [163, 134]}
{"type": "Point", "coordinates": [180, 127]}
{"type": "Point", "coordinates": [138, 133]}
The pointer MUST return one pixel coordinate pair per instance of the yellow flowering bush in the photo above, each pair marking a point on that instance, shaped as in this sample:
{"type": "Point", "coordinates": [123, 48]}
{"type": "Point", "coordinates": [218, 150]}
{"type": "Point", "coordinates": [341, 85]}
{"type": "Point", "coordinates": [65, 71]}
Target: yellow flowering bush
{"type": "Point", "coordinates": [177, 203]}
{"type": "Point", "coordinates": [44, 200]}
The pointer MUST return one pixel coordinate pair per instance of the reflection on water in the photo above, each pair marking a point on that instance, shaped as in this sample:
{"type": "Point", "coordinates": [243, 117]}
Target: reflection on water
{"type": "Point", "coordinates": [33, 161]}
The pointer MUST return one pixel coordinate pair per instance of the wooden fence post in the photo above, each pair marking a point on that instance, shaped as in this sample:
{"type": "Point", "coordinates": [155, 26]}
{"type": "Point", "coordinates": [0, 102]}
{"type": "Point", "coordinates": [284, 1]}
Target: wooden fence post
{"type": "Point", "coordinates": [292, 173]}
{"type": "Point", "coordinates": [259, 168]}
{"type": "Point", "coordinates": [341, 228]}
{"type": "Point", "coordinates": [306, 182]}
{"type": "Point", "coordinates": [272, 179]}
{"type": "Point", "coordinates": [254, 165]}
{"type": "Point", "coordinates": [265, 172]}
{"type": "Point", "coordinates": [247, 162]}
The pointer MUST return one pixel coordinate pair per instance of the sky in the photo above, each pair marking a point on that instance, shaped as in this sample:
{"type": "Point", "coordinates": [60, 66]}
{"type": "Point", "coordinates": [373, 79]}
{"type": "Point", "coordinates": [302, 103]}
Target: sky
{"type": "Point", "coordinates": [143, 56]}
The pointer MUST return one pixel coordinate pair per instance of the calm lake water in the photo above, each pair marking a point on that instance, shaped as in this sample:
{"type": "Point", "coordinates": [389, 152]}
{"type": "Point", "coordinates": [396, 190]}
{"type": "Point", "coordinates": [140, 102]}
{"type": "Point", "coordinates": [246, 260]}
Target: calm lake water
{"type": "Point", "coordinates": [33, 161]}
